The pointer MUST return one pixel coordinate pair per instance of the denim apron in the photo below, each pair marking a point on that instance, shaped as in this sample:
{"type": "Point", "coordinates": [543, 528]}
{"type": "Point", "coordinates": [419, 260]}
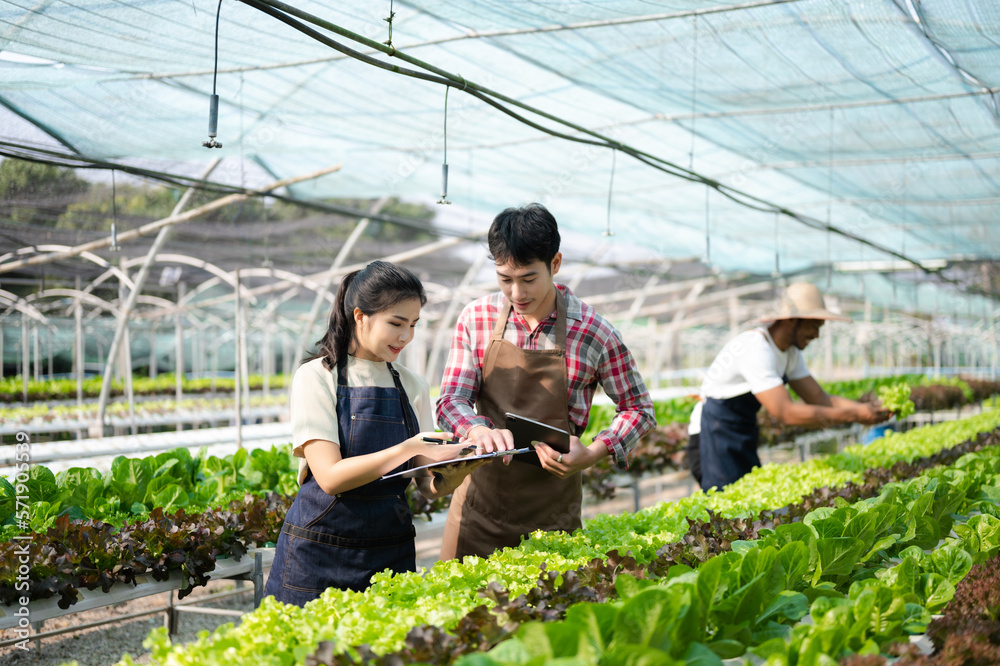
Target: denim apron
{"type": "Point", "coordinates": [341, 541]}
{"type": "Point", "coordinates": [729, 439]}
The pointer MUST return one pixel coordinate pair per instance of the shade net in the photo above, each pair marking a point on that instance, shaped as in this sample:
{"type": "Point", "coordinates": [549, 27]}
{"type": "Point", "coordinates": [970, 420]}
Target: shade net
{"type": "Point", "coordinates": [877, 118]}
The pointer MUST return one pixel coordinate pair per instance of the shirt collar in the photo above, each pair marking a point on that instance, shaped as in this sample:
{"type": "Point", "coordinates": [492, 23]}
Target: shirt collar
{"type": "Point", "coordinates": [574, 307]}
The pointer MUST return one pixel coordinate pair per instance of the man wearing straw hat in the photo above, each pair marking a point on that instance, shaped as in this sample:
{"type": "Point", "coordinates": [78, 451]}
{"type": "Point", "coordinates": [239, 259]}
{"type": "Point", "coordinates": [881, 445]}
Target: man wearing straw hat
{"type": "Point", "coordinates": [752, 370]}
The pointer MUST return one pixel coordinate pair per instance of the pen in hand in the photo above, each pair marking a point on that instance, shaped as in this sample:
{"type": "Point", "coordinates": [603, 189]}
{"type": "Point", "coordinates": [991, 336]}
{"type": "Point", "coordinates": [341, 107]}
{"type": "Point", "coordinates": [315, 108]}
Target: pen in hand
{"type": "Point", "coordinates": [436, 440]}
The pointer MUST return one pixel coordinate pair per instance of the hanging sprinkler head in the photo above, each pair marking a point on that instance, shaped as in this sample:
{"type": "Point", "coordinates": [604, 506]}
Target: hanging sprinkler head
{"type": "Point", "coordinates": [114, 247]}
{"type": "Point", "coordinates": [213, 123]}
{"type": "Point", "coordinates": [444, 185]}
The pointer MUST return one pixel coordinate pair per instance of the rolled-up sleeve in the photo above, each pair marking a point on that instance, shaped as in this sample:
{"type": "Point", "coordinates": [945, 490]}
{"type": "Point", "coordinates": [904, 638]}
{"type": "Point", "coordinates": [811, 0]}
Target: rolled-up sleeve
{"type": "Point", "coordinates": [634, 414]}
{"type": "Point", "coordinates": [460, 384]}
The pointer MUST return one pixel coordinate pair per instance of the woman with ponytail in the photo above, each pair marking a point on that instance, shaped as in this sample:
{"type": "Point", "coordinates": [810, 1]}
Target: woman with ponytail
{"type": "Point", "coordinates": [356, 416]}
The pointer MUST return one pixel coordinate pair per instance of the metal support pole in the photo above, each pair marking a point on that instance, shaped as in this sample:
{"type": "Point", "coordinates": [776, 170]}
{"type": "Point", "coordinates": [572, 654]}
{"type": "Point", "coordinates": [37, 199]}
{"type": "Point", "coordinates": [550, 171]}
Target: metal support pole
{"type": "Point", "coordinates": [25, 356]}
{"type": "Point", "coordinates": [79, 361]}
{"type": "Point", "coordinates": [258, 579]}
{"type": "Point", "coordinates": [126, 362]}
{"type": "Point", "coordinates": [170, 621]}
{"type": "Point", "coordinates": [245, 356]}
{"type": "Point", "coordinates": [38, 355]}
{"type": "Point", "coordinates": [266, 358]}
{"type": "Point", "coordinates": [153, 370]}
{"type": "Point", "coordinates": [179, 352]}
{"type": "Point", "coordinates": [238, 384]}
{"type": "Point", "coordinates": [215, 366]}
{"type": "Point", "coordinates": [51, 343]}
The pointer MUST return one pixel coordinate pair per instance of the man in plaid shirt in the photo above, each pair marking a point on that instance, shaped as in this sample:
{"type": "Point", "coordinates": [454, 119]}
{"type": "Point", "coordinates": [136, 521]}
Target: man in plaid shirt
{"type": "Point", "coordinates": [536, 350]}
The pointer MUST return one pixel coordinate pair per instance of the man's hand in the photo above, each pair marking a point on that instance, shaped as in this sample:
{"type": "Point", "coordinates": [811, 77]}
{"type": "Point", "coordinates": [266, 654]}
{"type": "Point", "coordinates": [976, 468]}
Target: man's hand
{"type": "Point", "coordinates": [872, 414]}
{"type": "Point", "coordinates": [488, 440]}
{"type": "Point", "coordinates": [449, 477]}
{"type": "Point", "coordinates": [565, 465]}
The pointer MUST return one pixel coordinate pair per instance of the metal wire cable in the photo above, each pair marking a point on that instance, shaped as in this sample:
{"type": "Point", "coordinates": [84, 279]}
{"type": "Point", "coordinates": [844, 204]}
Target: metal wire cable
{"type": "Point", "coordinates": [215, 68]}
{"type": "Point", "coordinates": [284, 12]}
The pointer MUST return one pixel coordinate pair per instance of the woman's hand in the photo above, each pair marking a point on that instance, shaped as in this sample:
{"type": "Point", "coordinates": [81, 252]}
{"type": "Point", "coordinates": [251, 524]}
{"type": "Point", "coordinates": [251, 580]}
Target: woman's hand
{"type": "Point", "coordinates": [431, 452]}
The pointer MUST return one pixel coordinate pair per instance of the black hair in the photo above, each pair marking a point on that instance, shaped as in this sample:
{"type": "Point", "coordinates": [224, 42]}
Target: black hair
{"type": "Point", "coordinates": [522, 235]}
{"type": "Point", "coordinates": [373, 289]}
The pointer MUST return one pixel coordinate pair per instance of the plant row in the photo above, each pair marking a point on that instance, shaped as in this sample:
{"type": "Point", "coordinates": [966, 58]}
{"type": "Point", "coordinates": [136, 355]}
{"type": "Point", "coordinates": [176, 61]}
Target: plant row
{"type": "Point", "coordinates": [133, 487]}
{"type": "Point", "coordinates": [177, 479]}
{"type": "Point", "coordinates": [42, 413]}
{"type": "Point", "coordinates": [952, 391]}
{"type": "Point", "coordinates": [12, 388]}
{"type": "Point", "coordinates": [443, 595]}
{"type": "Point", "coordinates": [843, 567]}
{"type": "Point", "coordinates": [662, 449]}
{"type": "Point", "coordinates": [597, 581]}
{"type": "Point", "coordinates": [91, 554]}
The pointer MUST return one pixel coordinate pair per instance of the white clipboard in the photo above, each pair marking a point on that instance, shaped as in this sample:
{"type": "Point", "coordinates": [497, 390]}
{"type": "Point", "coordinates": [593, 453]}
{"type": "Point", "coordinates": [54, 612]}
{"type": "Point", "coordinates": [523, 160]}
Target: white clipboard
{"type": "Point", "coordinates": [416, 471]}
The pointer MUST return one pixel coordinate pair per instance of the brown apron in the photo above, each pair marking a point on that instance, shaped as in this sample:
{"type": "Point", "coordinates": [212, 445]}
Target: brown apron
{"type": "Point", "coordinates": [498, 504]}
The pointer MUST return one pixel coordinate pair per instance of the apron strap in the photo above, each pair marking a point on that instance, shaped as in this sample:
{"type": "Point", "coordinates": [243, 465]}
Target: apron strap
{"type": "Point", "coordinates": [560, 320]}
{"type": "Point", "coordinates": [342, 371]}
{"type": "Point", "coordinates": [501, 324]}
{"type": "Point", "coordinates": [404, 401]}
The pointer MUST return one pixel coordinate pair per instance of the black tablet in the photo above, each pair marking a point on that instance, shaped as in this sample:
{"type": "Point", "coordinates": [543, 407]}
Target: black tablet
{"type": "Point", "coordinates": [527, 430]}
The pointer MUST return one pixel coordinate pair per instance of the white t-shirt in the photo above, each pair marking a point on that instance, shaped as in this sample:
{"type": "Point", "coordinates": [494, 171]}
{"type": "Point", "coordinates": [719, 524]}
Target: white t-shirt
{"type": "Point", "coordinates": [749, 363]}
{"type": "Point", "coordinates": [313, 399]}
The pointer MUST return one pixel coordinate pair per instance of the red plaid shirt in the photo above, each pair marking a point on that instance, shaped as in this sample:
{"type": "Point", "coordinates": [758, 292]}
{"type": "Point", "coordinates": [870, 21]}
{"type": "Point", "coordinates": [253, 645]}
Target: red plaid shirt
{"type": "Point", "coordinates": [595, 354]}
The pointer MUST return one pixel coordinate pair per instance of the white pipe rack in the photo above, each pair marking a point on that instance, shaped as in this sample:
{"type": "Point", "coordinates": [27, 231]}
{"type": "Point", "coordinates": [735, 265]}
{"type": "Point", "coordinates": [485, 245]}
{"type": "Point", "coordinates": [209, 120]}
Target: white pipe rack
{"type": "Point", "coordinates": [100, 452]}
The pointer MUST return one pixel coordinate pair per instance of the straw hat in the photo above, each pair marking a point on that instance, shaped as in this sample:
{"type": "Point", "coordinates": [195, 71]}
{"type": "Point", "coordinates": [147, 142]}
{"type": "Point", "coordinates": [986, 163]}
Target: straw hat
{"type": "Point", "coordinates": [802, 300]}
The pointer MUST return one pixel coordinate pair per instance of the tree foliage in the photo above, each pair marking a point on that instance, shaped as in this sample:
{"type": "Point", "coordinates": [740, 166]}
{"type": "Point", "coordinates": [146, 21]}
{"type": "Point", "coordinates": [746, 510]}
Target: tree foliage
{"type": "Point", "coordinates": [51, 196]}
{"type": "Point", "coordinates": [35, 193]}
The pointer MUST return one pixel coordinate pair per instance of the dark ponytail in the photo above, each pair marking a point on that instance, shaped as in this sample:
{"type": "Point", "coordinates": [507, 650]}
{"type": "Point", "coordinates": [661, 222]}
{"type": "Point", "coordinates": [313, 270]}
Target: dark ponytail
{"type": "Point", "coordinates": [375, 288]}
